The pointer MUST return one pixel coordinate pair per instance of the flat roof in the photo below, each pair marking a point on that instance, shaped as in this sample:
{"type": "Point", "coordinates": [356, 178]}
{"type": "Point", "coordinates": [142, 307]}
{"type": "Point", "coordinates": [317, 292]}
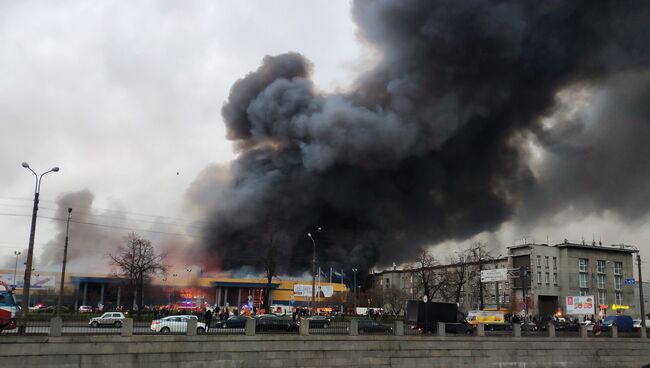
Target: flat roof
{"type": "Point", "coordinates": [243, 284]}
{"type": "Point", "coordinates": [98, 280]}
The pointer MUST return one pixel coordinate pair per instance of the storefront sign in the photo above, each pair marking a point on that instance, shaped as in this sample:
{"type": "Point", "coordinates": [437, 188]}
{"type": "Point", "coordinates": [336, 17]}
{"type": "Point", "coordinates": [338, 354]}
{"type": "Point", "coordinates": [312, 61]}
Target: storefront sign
{"type": "Point", "coordinates": [489, 317]}
{"type": "Point", "coordinates": [302, 290]}
{"type": "Point", "coordinates": [620, 307]}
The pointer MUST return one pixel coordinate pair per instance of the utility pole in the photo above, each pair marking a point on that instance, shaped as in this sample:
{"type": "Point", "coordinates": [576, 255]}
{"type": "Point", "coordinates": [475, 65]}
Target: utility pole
{"type": "Point", "coordinates": [354, 270]}
{"type": "Point", "coordinates": [313, 273]}
{"type": "Point", "coordinates": [523, 272]}
{"type": "Point", "coordinates": [496, 292]}
{"type": "Point", "coordinates": [641, 301]}
{"type": "Point", "coordinates": [65, 257]}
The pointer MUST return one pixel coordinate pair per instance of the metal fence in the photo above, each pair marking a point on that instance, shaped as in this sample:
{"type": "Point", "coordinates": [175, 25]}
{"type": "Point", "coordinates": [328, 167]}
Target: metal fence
{"type": "Point", "coordinates": [82, 325]}
{"type": "Point", "coordinates": [331, 328]}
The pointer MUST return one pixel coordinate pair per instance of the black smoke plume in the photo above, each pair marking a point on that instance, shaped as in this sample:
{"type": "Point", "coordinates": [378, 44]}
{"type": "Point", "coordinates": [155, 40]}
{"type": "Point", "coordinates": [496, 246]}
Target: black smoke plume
{"type": "Point", "coordinates": [432, 142]}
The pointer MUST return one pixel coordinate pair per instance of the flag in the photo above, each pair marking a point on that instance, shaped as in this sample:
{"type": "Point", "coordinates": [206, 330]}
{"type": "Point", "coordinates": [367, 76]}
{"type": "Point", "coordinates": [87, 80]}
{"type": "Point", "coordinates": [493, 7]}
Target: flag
{"type": "Point", "coordinates": [322, 273]}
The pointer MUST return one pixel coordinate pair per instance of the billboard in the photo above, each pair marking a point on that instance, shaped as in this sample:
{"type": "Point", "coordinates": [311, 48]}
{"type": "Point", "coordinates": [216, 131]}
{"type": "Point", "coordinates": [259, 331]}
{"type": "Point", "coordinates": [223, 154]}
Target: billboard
{"type": "Point", "coordinates": [580, 304]}
{"type": "Point", "coordinates": [302, 290]}
{"type": "Point", "coordinates": [38, 281]}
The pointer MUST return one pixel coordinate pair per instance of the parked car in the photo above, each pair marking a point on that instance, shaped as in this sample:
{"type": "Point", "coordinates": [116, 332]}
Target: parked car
{"type": "Point", "coordinates": [319, 322]}
{"type": "Point", "coordinates": [52, 308]}
{"type": "Point", "coordinates": [85, 309]}
{"type": "Point", "coordinates": [107, 319]}
{"type": "Point", "coordinates": [177, 324]}
{"type": "Point", "coordinates": [270, 322]}
{"type": "Point", "coordinates": [233, 322]}
{"type": "Point", "coordinates": [637, 323]}
{"type": "Point", "coordinates": [624, 323]}
{"type": "Point", "coordinates": [370, 325]}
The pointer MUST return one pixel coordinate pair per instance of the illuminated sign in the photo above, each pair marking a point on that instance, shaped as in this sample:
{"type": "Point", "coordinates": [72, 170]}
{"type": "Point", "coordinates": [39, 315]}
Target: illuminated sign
{"type": "Point", "coordinates": [620, 307]}
{"type": "Point", "coordinates": [603, 306]}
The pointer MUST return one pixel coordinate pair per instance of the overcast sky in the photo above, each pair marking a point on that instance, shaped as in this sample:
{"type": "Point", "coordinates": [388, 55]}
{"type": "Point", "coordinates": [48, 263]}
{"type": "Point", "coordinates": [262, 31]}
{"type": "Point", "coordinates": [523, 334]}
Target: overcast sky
{"type": "Point", "coordinates": [126, 101]}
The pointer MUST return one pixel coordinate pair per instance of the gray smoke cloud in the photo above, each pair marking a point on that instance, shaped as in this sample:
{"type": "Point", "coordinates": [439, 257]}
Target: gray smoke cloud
{"type": "Point", "coordinates": [86, 242]}
{"type": "Point", "coordinates": [433, 142]}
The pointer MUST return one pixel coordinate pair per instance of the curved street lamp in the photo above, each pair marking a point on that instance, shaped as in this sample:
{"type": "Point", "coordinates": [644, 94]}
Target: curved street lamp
{"type": "Point", "coordinates": [30, 250]}
{"type": "Point", "coordinates": [313, 270]}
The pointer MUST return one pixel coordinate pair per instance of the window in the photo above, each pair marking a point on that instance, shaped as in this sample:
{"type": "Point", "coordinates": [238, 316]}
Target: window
{"type": "Point", "coordinates": [555, 263]}
{"type": "Point", "coordinates": [539, 277]}
{"type": "Point", "coordinates": [601, 282]}
{"type": "Point", "coordinates": [600, 268]}
{"type": "Point", "coordinates": [583, 263]}
{"type": "Point", "coordinates": [555, 278]}
{"type": "Point", "coordinates": [619, 298]}
{"type": "Point", "coordinates": [546, 261]}
{"type": "Point", "coordinates": [584, 292]}
{"type": "Point", "coordinates": [547, 278]}
{"type": "Point", "coordinates": [601, 297]}
{"type": "Point", "coordinates": [387, 283]}
{"type": "Point", "coordinates": [539, 261]}
{"type": "Point", "coordinates": [618, 281]}
{"type": "Point", "coordinates": [618, 268]}
{"type": "Point", "coordinates": [583, 280]}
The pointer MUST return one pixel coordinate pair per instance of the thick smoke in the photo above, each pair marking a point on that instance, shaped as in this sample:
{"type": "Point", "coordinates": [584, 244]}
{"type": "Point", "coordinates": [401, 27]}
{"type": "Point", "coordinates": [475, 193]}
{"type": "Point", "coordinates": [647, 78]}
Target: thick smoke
{"type": "Point", "coordinates": [86, 242]}
{"type": "Point", "coordinates": [432, 143]}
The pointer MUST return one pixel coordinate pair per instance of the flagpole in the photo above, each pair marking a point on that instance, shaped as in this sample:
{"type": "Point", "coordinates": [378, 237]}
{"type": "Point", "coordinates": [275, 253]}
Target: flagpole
{"type": "Point", "coordinates": [319, 288]}
{"type": "Point", "coordinates": [330, 275]}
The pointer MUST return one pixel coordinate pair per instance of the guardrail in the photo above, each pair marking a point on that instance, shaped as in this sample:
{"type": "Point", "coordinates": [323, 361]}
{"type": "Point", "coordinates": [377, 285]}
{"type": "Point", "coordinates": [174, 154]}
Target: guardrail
{"type": "Point", "coordinates": [77, 325]}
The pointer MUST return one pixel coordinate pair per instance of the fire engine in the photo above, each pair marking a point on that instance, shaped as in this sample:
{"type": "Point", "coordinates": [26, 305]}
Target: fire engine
{"type": "Point", "coordinates": [8, 308]}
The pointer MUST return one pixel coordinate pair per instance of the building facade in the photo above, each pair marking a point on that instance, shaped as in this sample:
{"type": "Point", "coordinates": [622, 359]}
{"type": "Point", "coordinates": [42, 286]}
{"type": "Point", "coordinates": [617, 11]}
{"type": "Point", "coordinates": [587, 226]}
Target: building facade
{"type": "Point", "coordinates": [570, 269]}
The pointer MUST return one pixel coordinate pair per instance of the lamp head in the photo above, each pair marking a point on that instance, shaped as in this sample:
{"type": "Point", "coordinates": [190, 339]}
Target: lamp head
{"type": "Point", "coordinates": [25, 165]}
{"type": "Point", "coordinates": [55, 169]}
{"type": "Point", "coordinates": [309, 235]}
{"type": "Point", "coordinates": [320, 228]}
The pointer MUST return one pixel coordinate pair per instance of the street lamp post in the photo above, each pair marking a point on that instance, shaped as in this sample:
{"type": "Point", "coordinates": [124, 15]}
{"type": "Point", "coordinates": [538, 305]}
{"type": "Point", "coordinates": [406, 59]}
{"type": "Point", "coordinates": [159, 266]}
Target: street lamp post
{"type": "Point", "coordinates": [354, 270]}
{"type": "Point", "coordinates": [65, 257]}
{"type": "Point", "coordinates": [313, 271]}
{"type": "Point", "coordinates": [16, 253]}
{"type": "Point", "coordinates": [30, 249]}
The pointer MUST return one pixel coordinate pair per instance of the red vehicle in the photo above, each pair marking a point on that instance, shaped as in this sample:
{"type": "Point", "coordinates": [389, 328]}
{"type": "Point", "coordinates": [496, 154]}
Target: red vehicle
{"type": "Point", "coordinates": [8, 308]}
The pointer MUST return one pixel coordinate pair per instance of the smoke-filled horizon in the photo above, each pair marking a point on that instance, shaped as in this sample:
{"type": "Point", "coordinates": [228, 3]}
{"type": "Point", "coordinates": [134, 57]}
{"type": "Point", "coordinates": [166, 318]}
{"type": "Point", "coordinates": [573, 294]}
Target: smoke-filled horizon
{"type": "Point", "coordinates": [438, 140]}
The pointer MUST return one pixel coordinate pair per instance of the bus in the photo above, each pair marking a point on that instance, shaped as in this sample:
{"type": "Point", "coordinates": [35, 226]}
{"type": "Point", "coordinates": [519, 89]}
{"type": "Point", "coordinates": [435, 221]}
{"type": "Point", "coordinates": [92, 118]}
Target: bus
{"type": "Point", "coordinates": [8, 308]}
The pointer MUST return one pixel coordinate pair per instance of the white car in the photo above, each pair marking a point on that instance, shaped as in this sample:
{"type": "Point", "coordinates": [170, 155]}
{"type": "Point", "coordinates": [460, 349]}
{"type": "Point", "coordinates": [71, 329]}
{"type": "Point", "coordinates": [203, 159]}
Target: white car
{"type": "Point", "coordinates": [637, 323]}
{"type": "Point", "coordinates": [176, 324]}
{"type": "Point", "coordinates": [85, 309]}
{"type": "Point", "coordinates": [107, 319]}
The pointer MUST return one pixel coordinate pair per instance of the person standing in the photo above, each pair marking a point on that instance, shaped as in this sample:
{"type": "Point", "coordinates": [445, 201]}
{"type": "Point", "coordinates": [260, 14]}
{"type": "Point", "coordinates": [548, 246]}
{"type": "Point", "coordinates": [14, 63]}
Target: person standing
{"type": "Point", "coordinates": [207, 317]}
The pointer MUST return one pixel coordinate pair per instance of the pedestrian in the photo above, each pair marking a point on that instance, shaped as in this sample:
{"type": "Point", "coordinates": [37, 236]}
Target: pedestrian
{"type": "Point", "coordinates": [208, 319]}
{"type": "Point", "coordinates": [597, 328]}
{"type": "Point", "coordinates": [155, 313]}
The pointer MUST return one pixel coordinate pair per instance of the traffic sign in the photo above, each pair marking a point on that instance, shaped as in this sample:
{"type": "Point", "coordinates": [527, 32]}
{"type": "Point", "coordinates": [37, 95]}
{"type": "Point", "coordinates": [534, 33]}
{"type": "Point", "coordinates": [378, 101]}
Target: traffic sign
{"type": "Point", "coordinates": [630, 282]}
{"type": "Point", "coordinates": [499, 274]}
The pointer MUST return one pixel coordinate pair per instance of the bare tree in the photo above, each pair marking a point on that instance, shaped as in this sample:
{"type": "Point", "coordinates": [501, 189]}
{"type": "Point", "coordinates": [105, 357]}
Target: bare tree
{"type": "Point", "coordinates": [395, 300]}
{"type": "Point", "coordinates": [136, 261]}
{"type": "Point", "coordinates": [478, 255]}
{"type": "Point", "coordinates": [425, 276]}
{"type": "Point", "coordinates": [271, 238]}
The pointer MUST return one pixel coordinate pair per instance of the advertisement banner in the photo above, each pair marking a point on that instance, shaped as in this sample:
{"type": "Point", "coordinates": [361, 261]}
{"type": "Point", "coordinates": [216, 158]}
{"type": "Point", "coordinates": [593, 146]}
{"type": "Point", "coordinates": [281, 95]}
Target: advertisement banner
{"type": "Point", "coordinates": [323, 291]}
{"type": "Point", "coordinates": [38, 281]}
{"type": "Point", "coordinates": [490, 317]}
{"type": "Point", "coordinates": [580, 304]}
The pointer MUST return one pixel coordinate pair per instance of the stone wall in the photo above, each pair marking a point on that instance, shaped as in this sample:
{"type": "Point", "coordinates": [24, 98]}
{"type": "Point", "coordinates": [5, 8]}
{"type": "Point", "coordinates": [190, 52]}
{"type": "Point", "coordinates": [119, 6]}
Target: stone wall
{"type": "Point", "coordinates": [319, 351]}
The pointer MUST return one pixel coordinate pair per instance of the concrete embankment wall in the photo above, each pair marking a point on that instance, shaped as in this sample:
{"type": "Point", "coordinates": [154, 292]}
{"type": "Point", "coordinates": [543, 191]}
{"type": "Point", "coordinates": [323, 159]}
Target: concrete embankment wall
{"type": "Point", "coordinates": [320, 351]}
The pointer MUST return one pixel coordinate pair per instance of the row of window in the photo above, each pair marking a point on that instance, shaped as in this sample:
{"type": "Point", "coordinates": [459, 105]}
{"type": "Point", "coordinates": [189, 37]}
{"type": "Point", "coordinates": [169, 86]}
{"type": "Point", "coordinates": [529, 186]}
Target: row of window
{"type": "Point", "coordinates": [546, 262]}
{"type": "Point", "coordinates": [547, 277]}
{"type": "Point", "coordinates": [618, 281]}
{"type": "Point", "coordinates": [583, 266]}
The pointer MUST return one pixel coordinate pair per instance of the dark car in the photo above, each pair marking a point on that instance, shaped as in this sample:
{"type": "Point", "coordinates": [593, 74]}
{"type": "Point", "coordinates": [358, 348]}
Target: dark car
{"type": "Point", "coordinates": [233, 322]}
{"type": "Point", "coordinates": [269, 322]}
{"type": "Point", "coordinates": [319, 322]}
{"type": "Point", "coordinates": [369, 325]}
{"type": "Point", "coordinates": [463, 328]}
{"type": "Point", "coordinates": [624, 323]}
